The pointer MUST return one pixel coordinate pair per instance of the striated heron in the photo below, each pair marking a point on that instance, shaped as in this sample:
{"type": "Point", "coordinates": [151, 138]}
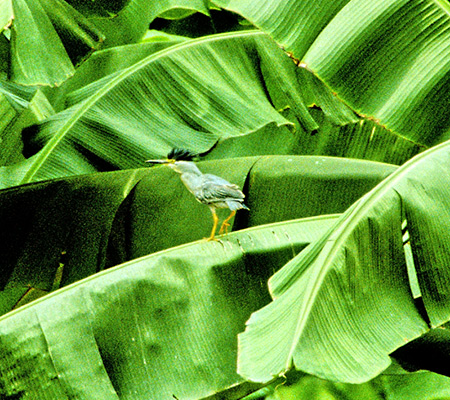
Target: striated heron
{"type": "Point", "coordinates": [208, 189]}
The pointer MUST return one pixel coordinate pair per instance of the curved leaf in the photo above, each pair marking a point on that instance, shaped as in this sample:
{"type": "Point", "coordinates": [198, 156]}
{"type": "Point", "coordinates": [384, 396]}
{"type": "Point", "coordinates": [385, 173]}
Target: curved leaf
{"type": "Point", "coordinates": [161, 326]}
{"type": "Point", "coordinates": [131, 23]}
{"type": "Point", "coordinates": [345, 303]}
{"type": "Point", "coordinates": [386, 59]}
{"type": "Point", "coordinates": [210, 106]}
{"type": "Point", "coordinates": [107, 62]}
{"type": "Point", "coordinates": [46, 27]}
{"type": "Point", "coordinates": [245, 99]}
{"type": "Point", "coordinates": [61, 231]}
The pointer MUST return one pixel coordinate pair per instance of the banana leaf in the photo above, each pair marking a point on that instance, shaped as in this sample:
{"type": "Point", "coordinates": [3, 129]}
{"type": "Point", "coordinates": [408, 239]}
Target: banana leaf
{"type": "Point", "coordinates": [106, 62]}
{"type": "Point", "coordinates": [132, 21]}
{"type": "Point", "coordinates": [46, 27]}
{"type": "Point", "coordinates": [117, 121]}
{"type": "Point", "coordinates": [158, 327]}
{"type": "Point", "coordinates": [346, 302]}
{"type": "Point", "coordinates": [423, 385]}
{"type": "Point", "coordinates": [57, 232]}
{"type": "Point", "coordinates": [67, 36]}
{"type": "Point", "coordinates": [385, 59]}
{"type": "Point", "coordinates": [19, 108]}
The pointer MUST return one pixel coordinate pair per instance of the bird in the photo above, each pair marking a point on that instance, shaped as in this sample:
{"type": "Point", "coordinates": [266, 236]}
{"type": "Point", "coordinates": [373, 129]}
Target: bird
{"type": "Point", "coordinates": [208, 189]}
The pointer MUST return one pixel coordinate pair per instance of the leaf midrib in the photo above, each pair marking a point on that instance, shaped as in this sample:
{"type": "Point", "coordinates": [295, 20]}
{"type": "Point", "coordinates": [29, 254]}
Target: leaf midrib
{"type": "Point", "coordinates": [42, 156]}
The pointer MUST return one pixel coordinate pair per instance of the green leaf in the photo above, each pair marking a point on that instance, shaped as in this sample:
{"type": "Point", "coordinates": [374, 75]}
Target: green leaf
{"type": "Point", "coordinates": [160, 326]}
{"type": "Point", "coordinates": [78, 226]}
{"type": "Point", "coordinates": [345, 302]}
{"type": "Point", "coordinates": [209, 106]}
{"type": "Point", "coordinates": [247, 100]}
{"type": "Point", "coordinates": [45, 27]}
{"type": "Point", "coordinates": [6, 13]}
{"type": "Point", "coordinates": [385, 59]}
{"type": "Point", "coordinates": [423, 385]}
{"type": "Point", "coordinates": [307, 186]}
{"type": "Point", "coordinates": [19, 108]}
{"type": "Point", "coordinates": [293, 24]}
{"type": "Point", "coordinates": [131, 23]}
{"type": "Point", "coordinates": [107, 62]}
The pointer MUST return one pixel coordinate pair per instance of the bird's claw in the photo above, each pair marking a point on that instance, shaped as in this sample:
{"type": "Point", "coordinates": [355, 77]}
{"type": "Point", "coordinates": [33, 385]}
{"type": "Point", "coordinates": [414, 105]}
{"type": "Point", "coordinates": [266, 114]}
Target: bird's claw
{"type": "Point", "coordinates": [213, 239]}
{"type": "Point", "coordinates": [223, 228]}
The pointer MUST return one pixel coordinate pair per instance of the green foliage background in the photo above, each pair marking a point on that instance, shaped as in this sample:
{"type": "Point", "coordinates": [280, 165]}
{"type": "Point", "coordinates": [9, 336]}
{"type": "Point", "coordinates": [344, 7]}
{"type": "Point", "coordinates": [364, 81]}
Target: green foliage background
{"type": "Point", "coordinates": [332, 116]}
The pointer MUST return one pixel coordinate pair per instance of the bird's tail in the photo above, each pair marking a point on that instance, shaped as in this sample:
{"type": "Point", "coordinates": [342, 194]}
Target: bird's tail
{"type": "Point", "coordinates": [237, 205]}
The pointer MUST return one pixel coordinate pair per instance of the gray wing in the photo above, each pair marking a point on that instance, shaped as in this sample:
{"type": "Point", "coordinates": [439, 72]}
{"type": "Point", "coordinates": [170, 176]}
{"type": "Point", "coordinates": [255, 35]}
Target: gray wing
{"type": "Point", "coordinates": [219, 192]}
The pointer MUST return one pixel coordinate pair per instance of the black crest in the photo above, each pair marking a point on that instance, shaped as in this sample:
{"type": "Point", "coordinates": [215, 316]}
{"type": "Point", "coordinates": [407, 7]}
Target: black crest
{"type": "Point", "coordinates": [181, 155]}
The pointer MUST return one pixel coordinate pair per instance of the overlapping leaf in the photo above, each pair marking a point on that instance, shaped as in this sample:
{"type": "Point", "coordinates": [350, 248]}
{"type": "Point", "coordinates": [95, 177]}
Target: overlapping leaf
{"type": "Point", "coordinates": [345, 303]}
{"type": "Point", "coordinates": [46, 27]}
{"type": "Point", "coordinates": [160, 326]}
{"type": "Point", "coordinates": [134, 116]}
{"type": "Point", "coordinates": [57, 232]}
{"type": "Point", "coordinates": [236, 97]}
{"type": "Point", "coordinates": [386, 59]}
{"type": "Point", "coordinates": [131, 22]}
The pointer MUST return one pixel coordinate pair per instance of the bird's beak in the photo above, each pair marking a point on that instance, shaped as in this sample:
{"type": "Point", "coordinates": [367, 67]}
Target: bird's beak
{"type": "Point", "coordinates": [160, 161]}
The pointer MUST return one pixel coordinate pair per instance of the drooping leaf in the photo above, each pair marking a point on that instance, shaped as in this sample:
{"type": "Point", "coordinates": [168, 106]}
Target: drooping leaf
{"type": "Point", "coordinates": [386, 59]}
{"type": "Point", "coordinates": [200, 24]}
{"type": "Point", "coordinates": [233, 97]}
{"type": "Point", "coordinates": [131, 23]}
{"type": "Point", "coordinates": [345, 303]}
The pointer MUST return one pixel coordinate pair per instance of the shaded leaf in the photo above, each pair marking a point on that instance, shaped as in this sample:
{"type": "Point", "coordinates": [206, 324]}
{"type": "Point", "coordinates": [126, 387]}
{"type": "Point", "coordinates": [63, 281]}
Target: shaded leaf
{"type": "Point", "coordinates": [131, 321]}
{"type": "Point", "coordinates": [428, 352]}
{"type": "Point", "coordinates": [20, 107]}
{"type": "Point", "coordinates": [131, 23]}
{"type": "Point", "coordinates": [423, 385]}
{"type": "Point", "coordinates": [78, 226]}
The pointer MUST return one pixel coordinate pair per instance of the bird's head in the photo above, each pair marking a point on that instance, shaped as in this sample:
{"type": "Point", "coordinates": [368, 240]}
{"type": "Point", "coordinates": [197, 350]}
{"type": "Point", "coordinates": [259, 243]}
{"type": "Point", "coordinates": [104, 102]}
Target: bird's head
{"type": "Point", "coordinates": [179, 160]}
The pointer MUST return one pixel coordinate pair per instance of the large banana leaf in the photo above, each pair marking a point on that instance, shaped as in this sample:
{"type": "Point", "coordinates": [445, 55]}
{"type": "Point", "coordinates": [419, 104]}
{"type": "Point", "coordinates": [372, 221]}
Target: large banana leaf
{"type": "Point", "coordinates": [346, 302]}
{"type": "Point", "coordinates": [57, 232]}
{"type": "Point", "coordinates": [67, 37]}
{"type": "Point", "coordinates": [238, 96]}
{"type": "Point", "coordinates": [386, 59]}
{"type": "Point", "coordinates": [159, 327]}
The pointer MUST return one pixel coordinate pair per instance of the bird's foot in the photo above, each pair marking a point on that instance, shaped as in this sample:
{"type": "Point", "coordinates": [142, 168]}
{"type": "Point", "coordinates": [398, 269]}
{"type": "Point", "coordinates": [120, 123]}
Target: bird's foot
{"type": "Point", "coordinates": [224, 228]}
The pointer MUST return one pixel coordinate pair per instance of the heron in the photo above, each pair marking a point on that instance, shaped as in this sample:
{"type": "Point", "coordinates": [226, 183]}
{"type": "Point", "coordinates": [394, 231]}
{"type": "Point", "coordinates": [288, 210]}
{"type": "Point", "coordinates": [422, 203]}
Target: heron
{"type": "Point", "coordinates": [208, 189]}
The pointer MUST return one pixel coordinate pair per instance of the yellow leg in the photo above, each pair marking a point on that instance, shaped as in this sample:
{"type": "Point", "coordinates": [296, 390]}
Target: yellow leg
{"type": "Point", "coordinates": [216, 220]}
{"type": "Point", "coordinates": [225, 223]}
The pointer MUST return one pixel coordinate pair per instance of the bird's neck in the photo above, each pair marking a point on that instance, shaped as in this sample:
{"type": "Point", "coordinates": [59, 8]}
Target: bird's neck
{"type": "Point", "coordinates": [191, 180]}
